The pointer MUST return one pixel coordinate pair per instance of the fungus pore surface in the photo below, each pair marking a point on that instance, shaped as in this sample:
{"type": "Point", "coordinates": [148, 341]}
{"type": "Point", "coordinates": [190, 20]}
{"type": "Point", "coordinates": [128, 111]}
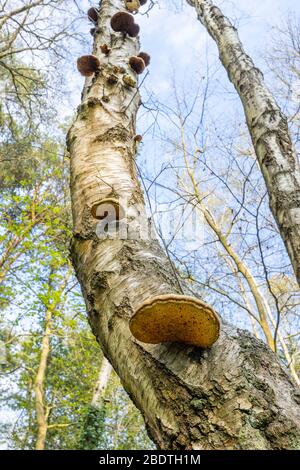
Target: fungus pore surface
{"type": "Point", "coordinates": [175, 318]}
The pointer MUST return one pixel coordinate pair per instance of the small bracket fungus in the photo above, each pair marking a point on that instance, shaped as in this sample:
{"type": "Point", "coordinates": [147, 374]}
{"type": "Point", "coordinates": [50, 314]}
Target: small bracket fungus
{"type": "Point", "coordinates": [88, 65]}
{"type": "Point", "coordinates": [121, 22]}
{"type": "Point", "coordinates": [105, 49]}
{"type": "Point", "coordinates": [133, 5]}
{"type": "Point", "coordinates": [108, 209]}
{"type": "Point", "coordinates": [92, 31]}
{"type": "Point", "coordinates": [175, 318]}
{"type": "Point", "coordinates": [137, 64]}
{"type": "Point", "coordinates": [93, 15]}
{"type": "Point", "coordinates": [143, 2]}
{"type": "Point", "coordinates": [133, 30]}
{"type": "Point", "coordinates": [138, 138]}
{"type": "Point", "coordinates": [145, 57]}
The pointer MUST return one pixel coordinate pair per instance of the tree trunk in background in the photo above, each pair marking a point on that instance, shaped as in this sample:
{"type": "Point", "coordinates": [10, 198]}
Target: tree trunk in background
{"type": "Point", "coordinates": [267, 126]}
{"type": "Point", "coordinates": [232, 396]}
{"type": "Point", "coordinates": [41, 412]}
{"type": "Point", "coordinates": [101, 384]}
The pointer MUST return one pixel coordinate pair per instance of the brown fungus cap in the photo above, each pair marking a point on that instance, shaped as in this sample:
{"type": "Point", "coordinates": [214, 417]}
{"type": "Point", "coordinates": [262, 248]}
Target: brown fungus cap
{"type": "Point", "coordinates": [88, 65]}
{"type": "Point", "coordinates": [122, 22]}
{"type": "Point", "coordinates": [137, 64]}
{"type": "Point", "coordinates": [133, 30]}
{"type": "Point", "coordinates": [105, 49]}
{"type": "Point", "coordinates": [145, 57]}
{"type": "Point", "coordinates": [175, 318]}
{"type": "Point", "coordinates": [93, 15]}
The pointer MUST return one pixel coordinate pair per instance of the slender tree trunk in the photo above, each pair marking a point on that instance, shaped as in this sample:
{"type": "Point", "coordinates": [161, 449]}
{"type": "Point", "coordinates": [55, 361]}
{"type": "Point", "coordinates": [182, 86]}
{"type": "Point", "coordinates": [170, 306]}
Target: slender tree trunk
{"type": "Point", "coordinates": [102, 381]}
{"type": "Point", "coordinates": [234, 395]}
{"type": "Point", "coordinates": [41, 412]}
{"type": "Point", "coordinates": [267, 126]}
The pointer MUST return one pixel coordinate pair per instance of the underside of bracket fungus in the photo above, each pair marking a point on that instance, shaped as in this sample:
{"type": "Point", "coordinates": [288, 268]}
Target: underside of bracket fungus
{"type": "Point", "coordinates": [175, 318]}
{"type": "Point", "coordinates": [108, 209]}
{"type": "Point", "coordinates": [88, 65]}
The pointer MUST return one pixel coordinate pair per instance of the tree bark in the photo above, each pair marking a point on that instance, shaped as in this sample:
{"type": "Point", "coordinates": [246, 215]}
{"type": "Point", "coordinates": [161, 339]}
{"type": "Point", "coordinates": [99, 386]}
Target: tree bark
{"type": "Point", "coordinates": [267, 126]}
{"type": "Point", "coordinates": [232, 396]}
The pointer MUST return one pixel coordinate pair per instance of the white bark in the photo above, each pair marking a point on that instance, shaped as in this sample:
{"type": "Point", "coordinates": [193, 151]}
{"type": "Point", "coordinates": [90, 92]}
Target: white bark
{"type": "Point", "coordinates": [102, 381]}
{"type": "Point", "coordinates": [233, 396]}
{"type": "Point", "coordinates": [267, 126]}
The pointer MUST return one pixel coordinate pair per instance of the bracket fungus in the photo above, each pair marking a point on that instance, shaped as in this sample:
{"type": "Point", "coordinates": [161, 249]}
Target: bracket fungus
{"type": "Point", "coordinates": [133, 30]}
{"type": "Point", "coordinates": [145, 57]}
{"type": "Point", "coordinates": [105, 49]}
{"type": "Point", "coordinates": [143, 2]}
{"type": "Point", "coordinates": [108, 209]}
{"type": "Point", "coordinates": [121, 22]}
{"type": "Point", "coordinates": [93, 14]}
{"type": "Point", "coordinates": [137, 64]}
{"type": "Point", "coordinates": [138, 138]}
{"type": "Point", "coordinates": [88, 65]}
{"type": "Point", "coordinates": [175, 318]}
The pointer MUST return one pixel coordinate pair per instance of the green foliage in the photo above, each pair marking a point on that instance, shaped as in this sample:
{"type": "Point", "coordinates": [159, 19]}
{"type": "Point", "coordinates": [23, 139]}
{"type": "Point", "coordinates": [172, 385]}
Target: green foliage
{"type": "Point", "coordinates": [93, 429]}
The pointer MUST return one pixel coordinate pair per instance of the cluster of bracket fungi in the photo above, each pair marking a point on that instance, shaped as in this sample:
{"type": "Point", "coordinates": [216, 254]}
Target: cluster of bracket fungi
{"type": "Point", "coordinates": [121, 22]}
{"type": "Point", "coordinates": [163, 318]}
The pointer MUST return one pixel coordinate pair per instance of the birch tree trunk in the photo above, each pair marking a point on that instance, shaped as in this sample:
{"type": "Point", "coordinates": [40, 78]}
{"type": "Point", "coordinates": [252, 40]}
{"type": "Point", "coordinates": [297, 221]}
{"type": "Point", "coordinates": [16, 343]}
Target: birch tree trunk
{"type": "Point", "coordinates": [102, 381]}
{"type": "Point", "coordinates": [232, 396]}
{"type": "Point", "coordinates": [267, 126]}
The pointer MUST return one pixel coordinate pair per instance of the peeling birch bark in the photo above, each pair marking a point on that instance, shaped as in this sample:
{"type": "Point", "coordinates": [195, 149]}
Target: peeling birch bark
{"type": "Point", "coordinates": [267, 126]}
{"type": "Point", "coordinates": [232, 396]}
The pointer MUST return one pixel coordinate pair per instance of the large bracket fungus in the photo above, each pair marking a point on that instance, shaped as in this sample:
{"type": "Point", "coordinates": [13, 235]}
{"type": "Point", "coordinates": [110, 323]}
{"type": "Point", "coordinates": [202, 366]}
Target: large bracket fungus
{"type": "Point", "coordinates": [88, 65]}
{"type": "Point", "coordinates": [175, 318]}
{"type": "Point", "coordinates": [123, 22]}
